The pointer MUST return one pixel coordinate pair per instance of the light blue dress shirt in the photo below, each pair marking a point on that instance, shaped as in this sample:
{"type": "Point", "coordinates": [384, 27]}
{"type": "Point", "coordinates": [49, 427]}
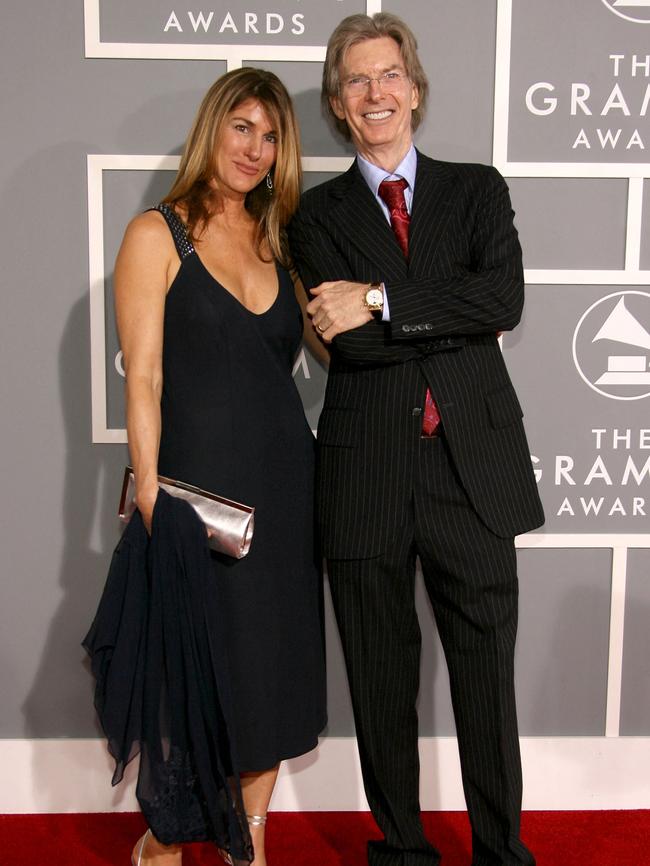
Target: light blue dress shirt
{"type": "Point", "coordinates": [374, 175]}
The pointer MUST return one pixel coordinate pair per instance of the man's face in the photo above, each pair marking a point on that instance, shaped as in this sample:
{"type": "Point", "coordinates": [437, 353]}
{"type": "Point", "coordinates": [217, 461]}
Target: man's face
{"type": "Point", "coordinates": [378, 115]}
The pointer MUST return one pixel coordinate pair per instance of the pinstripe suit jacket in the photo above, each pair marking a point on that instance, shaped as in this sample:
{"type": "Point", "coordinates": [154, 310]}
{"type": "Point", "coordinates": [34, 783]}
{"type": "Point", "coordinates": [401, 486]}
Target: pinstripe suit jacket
{"type": "Point", "coordinates": [463, 283]}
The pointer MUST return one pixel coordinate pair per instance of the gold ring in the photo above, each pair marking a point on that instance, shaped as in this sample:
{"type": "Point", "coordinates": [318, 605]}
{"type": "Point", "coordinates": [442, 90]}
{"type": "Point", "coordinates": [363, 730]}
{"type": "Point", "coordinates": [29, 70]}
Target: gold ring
{"type": "Point", "coordinates": [320, 330]}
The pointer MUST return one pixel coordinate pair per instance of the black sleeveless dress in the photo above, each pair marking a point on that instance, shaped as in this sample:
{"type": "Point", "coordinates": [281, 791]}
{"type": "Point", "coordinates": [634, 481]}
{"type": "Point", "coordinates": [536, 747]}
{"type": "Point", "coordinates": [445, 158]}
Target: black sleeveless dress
{"type": "Point", "coordinates": [233, 423]}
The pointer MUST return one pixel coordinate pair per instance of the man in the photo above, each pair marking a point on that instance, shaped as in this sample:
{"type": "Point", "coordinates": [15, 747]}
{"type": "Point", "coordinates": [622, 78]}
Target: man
{"type": "Point", "coordinates": [422, 451]}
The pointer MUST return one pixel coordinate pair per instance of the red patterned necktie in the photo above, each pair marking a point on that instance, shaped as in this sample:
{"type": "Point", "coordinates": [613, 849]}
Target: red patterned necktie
{"type": "Point", "coordinates": [392, 192]}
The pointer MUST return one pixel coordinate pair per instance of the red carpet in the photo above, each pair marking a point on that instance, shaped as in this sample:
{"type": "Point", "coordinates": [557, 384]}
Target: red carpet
{"type": "Point", "coordinates": [328, 839]}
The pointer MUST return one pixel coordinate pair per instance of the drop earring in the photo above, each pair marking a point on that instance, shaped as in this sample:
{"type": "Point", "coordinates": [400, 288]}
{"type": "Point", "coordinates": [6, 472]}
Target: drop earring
{"type": "Point", "coordinates": [269, 182]}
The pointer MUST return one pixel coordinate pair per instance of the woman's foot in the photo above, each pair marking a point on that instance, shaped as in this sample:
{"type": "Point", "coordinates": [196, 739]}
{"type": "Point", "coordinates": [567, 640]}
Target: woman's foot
{"type": "Point", "coordinates": [256, 825]}
{"type": "Point", "coordinates": [148, 851]}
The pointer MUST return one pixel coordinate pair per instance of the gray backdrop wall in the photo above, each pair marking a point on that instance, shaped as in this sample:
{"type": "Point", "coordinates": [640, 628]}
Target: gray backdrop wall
{"type": "Point", "coordinates": [556, 94]}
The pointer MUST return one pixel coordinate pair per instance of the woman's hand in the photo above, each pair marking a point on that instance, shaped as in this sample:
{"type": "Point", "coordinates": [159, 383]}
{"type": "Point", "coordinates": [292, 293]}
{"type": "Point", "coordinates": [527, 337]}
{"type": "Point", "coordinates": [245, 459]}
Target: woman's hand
{"type": "Point", "coordinates": [145, 500]}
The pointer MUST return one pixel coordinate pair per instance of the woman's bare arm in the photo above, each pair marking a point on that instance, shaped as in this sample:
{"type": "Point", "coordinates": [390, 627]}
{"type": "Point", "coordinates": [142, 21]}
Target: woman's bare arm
{"type": "Point", "coordinates": [143, 273]}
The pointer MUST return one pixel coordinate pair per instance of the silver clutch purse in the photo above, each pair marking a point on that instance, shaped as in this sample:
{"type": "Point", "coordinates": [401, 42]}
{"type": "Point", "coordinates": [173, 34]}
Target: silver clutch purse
{"type": "Point", "coordinates": [230, 523]}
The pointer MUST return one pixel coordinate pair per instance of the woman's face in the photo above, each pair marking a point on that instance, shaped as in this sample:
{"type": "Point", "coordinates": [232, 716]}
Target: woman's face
{"type": "Point", "coordinates": [246, 150]}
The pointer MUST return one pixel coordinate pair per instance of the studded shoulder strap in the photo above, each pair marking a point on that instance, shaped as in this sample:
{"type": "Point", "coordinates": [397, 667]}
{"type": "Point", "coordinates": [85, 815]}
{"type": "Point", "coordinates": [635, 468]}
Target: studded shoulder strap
{"type": "Point", "coordinates": [183, 244]}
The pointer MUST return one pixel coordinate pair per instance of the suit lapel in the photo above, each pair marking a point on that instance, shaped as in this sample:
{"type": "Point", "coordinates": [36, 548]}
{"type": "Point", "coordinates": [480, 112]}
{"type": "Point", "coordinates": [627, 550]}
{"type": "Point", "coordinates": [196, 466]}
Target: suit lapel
{"type": "Point", "coordinates": [359, 216]}
{"type": "Point", "coordinates": [432, 203]}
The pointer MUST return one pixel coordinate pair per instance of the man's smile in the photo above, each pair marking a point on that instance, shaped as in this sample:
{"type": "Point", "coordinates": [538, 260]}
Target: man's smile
{"type": "Point", "coordinates": [378, 115]}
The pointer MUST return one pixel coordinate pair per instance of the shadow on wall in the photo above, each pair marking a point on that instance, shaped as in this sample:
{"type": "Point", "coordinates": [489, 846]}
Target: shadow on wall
{"type": "Point", "coordinates": [62, 705]}
{"type": "Point", "coordinates": [60, 702]}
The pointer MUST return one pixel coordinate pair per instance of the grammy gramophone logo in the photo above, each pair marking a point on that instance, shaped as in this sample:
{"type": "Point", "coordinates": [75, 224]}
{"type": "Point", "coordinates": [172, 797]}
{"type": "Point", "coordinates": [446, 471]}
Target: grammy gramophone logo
{"type": "Point", "coordinates": [611, 346]}
{"type": "Point", "coordinates": [631, 10]}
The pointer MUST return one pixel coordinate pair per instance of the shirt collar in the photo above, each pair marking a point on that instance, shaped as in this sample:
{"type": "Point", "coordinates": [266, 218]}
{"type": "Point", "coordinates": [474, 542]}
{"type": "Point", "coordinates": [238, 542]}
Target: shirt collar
{"type": "Point", "coordinates": [373, 174]}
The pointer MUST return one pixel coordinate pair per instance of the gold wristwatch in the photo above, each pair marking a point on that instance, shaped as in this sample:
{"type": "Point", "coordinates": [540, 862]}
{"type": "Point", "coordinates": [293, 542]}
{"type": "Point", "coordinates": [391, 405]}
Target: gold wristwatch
{"type": "Point", "coordinates": [374, 298]}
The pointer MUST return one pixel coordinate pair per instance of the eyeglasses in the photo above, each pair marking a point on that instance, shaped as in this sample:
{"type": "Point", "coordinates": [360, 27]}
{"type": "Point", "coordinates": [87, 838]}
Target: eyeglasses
{"type": "Point", "coordinates": [388, 82]}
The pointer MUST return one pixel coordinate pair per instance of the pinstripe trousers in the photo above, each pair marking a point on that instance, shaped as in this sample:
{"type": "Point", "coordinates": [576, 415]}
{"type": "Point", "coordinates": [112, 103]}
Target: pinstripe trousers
{"type": "Point", "coordinates": [470, 577]}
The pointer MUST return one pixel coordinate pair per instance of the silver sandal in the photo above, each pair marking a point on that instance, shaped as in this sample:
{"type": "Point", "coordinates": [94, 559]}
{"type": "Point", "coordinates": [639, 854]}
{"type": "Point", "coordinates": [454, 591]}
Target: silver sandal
{"type": "Point", "coordinates": [256, 820]}
{"type": "Point", "coordinates": [142, 844]}
{"type": "Point", "coordinates": [253, 821]}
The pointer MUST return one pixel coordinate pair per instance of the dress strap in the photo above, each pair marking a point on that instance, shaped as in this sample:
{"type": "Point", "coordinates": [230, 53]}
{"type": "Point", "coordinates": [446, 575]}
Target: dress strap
{"type": "Point", "coordinates": [183, 244]}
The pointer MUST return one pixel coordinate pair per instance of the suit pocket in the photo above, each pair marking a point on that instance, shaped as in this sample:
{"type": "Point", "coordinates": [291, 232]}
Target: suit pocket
{"type": "Point", "coordinates": [339, 427]}
{"type": "Point", "coordinates": [503, 406]}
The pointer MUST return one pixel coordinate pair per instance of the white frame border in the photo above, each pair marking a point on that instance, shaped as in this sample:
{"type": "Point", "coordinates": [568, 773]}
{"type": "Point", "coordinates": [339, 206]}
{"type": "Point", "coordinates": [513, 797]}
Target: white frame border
{"type": "Point", "coordinates": [501, 120]}
{"type": "Point", "coordinates": [234, 55]}
{"type": "Point", "coordinates": [619, 546]}
{"type": "Point", "coordinates": [635, 173]}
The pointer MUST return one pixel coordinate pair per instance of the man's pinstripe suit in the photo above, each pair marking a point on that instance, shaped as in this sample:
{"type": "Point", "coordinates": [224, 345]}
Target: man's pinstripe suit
{"type": "Point", "coordinates": [386, 495]}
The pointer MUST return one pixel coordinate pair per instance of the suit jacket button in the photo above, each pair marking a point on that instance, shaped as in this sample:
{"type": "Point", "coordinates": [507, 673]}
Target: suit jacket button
{"type": "Point", "coordinates": [415, 411]}
{"type": "Point", "coordinates": [420, 327]}
{"type": "Point", "coordinates": [406, 328]}
{"type": "Point", "coordinates": [428, 326]}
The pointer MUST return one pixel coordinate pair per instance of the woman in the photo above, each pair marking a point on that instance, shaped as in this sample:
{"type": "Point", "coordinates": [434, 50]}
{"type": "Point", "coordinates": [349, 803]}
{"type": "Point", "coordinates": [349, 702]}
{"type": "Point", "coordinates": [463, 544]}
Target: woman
{"type": "Point", "coordinates": [209, 326]}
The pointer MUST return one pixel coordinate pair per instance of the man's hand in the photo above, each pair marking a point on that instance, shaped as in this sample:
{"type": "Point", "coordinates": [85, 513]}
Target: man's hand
{"type": "Point", "coordinates": [337, 307]}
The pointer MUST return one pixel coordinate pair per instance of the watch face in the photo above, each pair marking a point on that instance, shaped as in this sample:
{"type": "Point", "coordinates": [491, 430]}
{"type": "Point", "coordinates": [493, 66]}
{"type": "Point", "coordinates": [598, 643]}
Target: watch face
{"type": "Point", "coordinates": [375, 298]}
